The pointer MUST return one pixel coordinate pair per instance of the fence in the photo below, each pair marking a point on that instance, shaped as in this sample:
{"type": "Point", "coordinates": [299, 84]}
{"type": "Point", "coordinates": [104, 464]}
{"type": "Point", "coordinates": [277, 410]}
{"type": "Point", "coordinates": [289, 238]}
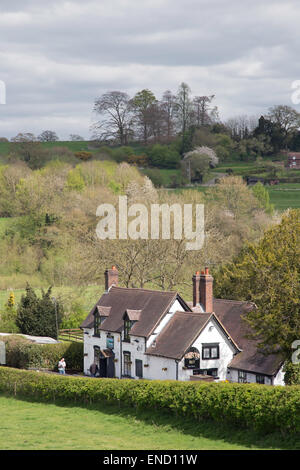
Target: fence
{"type": "Point", "coordinates": [75, 334]}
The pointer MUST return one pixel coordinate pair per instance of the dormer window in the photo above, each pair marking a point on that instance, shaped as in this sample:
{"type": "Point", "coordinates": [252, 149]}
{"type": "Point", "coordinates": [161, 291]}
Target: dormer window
{"type": "Point", "coordinates": [101, 313]}
{"type": "Point", "coordinates": [130, 317]}
{"type": "Point", "coordinates": [97, 323]}
{"type": "Point", "coordinates": [127, 327]}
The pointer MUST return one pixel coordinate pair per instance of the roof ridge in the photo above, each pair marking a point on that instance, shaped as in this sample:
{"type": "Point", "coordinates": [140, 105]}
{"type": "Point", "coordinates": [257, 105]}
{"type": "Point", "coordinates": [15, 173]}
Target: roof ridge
{"type": "Point", "coordinates": [146, 290]}
{"type": "Point", "coordinates": [236, 301]}
{"type": "Point", "coordinates": [194, 314]}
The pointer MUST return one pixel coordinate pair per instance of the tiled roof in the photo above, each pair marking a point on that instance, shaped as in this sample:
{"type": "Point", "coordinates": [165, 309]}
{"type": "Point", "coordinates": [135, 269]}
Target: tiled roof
{"type": "Point", "coordinates": [179, 333]}
{"type": "Point", "coordinates": [152, 304]}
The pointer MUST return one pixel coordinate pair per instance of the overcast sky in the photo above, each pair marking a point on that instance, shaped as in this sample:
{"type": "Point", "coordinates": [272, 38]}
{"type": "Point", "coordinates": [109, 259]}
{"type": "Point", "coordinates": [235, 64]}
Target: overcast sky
{"type": "Point", "coordinates": [56, 57]}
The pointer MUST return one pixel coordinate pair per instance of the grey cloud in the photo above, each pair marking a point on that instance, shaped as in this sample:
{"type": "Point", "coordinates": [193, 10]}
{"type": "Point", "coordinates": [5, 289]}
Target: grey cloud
{"type": "Point", "coordinates": [56, 57]}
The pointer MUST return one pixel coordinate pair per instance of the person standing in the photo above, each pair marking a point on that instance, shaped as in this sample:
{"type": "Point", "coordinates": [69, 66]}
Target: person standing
{"type": "Point", "coordinates": [94, 369]}
{"type": "Point", "coordinates": [62, 366]}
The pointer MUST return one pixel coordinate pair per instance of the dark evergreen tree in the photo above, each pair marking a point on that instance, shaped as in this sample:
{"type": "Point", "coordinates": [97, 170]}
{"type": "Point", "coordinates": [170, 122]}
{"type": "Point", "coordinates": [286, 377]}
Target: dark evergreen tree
{"type": "Point", "coordinates": [39, 316]}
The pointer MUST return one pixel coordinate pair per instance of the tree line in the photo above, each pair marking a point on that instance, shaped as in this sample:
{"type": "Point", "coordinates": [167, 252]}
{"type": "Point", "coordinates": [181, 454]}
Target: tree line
{"type": "Point", "coordinates": [123, 119]}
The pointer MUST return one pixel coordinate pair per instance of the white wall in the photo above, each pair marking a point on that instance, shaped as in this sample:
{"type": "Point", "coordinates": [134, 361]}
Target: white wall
{"type": "Point", "coordinates": [175, 307]}
{"type": "Point", "coordinates": [279, 377]}
{"type": "Point", "coordinates": [156, 365]}
{"type": "Point", "coordinates": [233, 376]}
{"type": "Point", "coordinates": [212, 333]}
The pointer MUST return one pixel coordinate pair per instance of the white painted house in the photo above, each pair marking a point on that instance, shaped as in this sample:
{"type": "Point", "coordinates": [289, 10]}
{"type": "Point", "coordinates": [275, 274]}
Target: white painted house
{"type": "Point", "coordinates": [141, 333]}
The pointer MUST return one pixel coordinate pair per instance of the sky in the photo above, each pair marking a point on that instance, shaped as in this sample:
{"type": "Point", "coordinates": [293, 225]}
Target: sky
{"type": "Point", "coordinates": [57, 57]}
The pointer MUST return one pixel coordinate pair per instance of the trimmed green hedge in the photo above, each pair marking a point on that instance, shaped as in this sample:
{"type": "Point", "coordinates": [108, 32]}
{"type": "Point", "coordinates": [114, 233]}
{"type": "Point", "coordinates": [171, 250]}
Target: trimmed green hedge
{"type": "Point", "coordinates": [23, 354]}
{"type": "Point", "coordinates": [259, 407]}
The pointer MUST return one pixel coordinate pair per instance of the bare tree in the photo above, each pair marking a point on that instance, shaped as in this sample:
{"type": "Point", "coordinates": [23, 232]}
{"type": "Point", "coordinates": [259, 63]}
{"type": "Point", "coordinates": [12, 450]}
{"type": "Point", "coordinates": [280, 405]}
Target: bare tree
{"type": "Point", "coordinates": [183, 107]}
{"type": "Point", "coordinates": [116, 111]}
{"type": "Point", "coordinates": [168, 108]}
{"type": "Point", "coordinates": [205, 114]}
{"type": "Point", "coordinates": [48, 136]}
{"type": "Point", "coordinates": [76, 138]}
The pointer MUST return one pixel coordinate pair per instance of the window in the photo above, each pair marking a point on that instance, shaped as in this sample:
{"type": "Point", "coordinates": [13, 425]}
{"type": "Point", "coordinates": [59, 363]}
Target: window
{"type": "Point", "coordinates": [210, 351]}
{"type": "Point", "coordinates": [139, 368]}
{"type": "Point", "coordinates": [213, 372]}
{"type": "Point", "coordinates": [110, 341]}
{"type": "Point", "coordinates": [260, 379]}
{"type": "Point", "coordinates": [242, 377]}
{"type": "Point", "coordinates": [127, 364]}
{"type": "Point", "coordinates": [127, 327]}
{"type": "Point", "coordinates": [97, 323]}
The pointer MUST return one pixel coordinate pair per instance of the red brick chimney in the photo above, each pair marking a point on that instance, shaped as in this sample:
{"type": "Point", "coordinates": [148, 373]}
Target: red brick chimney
{"type": "Point", "coordinates": [111, 277]}
{"type": "Point", "coordinates": [196, 289]}
{"type": "Point", "coordinates": [206, 291]}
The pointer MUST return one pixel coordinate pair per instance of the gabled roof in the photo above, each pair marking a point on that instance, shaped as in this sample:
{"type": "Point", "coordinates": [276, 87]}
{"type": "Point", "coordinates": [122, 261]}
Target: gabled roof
{"type": "Point", "coordinates": [133, 315]}
{"type": "Point", "coordinates": [152, 304]}
{"type": "Point", "coordinates": [178, 335]}
{"type": "Point", "coordinates": [103, 311]}
{"type": "Point", "coordinates": [230, 313]}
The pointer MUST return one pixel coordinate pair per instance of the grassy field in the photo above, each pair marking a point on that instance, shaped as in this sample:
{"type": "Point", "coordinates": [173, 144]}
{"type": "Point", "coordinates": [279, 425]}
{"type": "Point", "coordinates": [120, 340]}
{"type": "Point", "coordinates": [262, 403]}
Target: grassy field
{"type": "Point", "coordinates": [285, 196]}
{"type": "Point", "coordinates": [74, 146]}
{"type": "Point", "coordinates": [27, 425]}
{"type": "Point", "coordinates": [89, 294]}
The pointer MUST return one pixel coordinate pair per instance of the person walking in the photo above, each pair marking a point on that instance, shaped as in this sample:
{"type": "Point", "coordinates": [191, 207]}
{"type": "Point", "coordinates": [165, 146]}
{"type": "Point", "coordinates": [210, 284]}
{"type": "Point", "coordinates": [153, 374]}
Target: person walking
{"type": "Point", "coordinates": [62, 366]}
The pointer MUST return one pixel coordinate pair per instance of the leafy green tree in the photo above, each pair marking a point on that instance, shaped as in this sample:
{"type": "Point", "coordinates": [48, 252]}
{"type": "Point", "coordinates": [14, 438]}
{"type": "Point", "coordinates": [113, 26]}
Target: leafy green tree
{"type": "Point", "coordinates": [39, 316]}
{"type": "Point", "coordinates": [262, 194]}
{"type": "Point", "coordinates": [268, 274]}
{"type": "Point", "coordinates": [163, 156]}
{"type": "Point", "coordinates": [287, 119]}
{"type": "Point", "coordinates": [292, 373]}
{"type": "Point", "coordinates": [143, 103]}
{"type": "Point", "coordinates": [8, 317]}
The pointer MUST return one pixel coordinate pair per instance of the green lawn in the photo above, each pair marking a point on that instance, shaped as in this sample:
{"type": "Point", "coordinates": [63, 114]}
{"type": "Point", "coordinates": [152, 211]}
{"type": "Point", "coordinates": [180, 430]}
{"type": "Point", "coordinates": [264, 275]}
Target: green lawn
{"type": "Point", "coordinates": [26, 425]}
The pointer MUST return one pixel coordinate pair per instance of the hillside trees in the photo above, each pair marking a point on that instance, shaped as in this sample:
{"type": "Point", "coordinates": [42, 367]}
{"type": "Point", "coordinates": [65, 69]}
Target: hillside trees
{"type": "Point", "coordinates": [287, 119]}
{"type": "Point", "coordinates": [267, 273]}
{"type": "Point", "coordinates": [28, 149]}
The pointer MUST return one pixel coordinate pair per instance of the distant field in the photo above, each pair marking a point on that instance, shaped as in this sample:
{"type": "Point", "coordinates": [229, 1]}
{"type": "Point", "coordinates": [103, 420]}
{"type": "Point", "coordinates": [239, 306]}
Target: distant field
{"type": "Point", "coordinates": [285, 196]}
{"type": "Point", "coordinates": [5, 147]}
{"type": "Point", "coordinates": [89, 294]}
{"type": "Point", "coordinates": [44, 426]}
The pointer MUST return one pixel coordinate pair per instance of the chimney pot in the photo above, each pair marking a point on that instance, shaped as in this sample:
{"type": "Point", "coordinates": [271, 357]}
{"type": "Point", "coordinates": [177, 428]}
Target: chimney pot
{"type": "Point", "coordinates": [111, 277]}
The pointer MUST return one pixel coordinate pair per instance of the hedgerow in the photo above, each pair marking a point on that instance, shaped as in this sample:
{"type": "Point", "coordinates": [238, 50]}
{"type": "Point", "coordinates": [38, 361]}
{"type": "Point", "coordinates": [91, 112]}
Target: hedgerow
{"type": "Point", "coordinates": [259, 407]}
{"type": "Point", "coordinates": [22, 353]}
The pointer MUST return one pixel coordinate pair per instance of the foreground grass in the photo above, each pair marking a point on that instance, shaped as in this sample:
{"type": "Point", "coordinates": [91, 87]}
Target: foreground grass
{"type": "Point", "coordinates": [28, 425]}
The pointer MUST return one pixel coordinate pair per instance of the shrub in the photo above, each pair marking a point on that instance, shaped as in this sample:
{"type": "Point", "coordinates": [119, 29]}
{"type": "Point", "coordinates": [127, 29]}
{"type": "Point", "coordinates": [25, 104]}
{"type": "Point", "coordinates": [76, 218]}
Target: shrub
{"type": "Point", "coordinates": [24, 354]}
{"type": "Point", "coordinates": [260, 407]}
{"type": "Point", "coordinates": [292, 373]}
{"type": "Point", "coordinates": [83, 155]}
